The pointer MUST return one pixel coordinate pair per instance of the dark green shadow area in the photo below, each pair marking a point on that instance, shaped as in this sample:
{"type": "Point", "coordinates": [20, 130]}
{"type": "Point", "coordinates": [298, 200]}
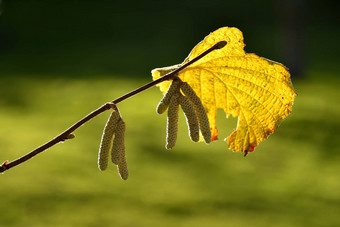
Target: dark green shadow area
{"type": "Point", "coordinates": [86, 38]}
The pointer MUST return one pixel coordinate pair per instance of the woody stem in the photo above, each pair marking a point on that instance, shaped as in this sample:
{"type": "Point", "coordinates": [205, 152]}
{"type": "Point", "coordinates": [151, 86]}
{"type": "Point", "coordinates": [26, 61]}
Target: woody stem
{"type": "Point", "coordinates": [171, 74]}
{"type": "Point", "coordinates": [65, 135]}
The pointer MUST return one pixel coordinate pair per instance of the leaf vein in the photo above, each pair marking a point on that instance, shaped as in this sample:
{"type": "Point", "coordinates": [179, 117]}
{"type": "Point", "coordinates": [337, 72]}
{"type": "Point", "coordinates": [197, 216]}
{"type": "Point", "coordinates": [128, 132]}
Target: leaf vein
{"type": "Point", "coordinates": [260, 87]}
{"type": "Point", "coordinates": [226, 86]}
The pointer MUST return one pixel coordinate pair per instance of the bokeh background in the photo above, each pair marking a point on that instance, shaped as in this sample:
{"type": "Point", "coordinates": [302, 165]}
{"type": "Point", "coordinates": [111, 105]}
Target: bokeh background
{"type": "Point", "coordinates": [60, 60]}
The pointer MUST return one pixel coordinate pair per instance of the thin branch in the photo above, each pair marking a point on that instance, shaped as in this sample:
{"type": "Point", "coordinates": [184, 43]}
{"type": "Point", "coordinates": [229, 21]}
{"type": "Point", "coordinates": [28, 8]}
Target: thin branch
{"type": "Point", "coordinates": [61, 137]}
{"type": "Point", "coordinates": [67, 134]}
{"type": "Point", "coordinates": [171, 74]}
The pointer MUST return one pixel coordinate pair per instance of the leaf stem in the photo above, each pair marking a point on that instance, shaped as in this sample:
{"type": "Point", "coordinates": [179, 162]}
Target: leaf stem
{"type": "Point", "coordinates": [66, 134]}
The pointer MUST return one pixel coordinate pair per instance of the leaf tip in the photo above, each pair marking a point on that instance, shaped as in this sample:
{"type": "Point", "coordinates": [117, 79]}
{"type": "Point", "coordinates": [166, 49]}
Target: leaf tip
{"type": "Point", "coordinates": [214, 135]}
{"type": "Point", "coordinates": [251, 147]}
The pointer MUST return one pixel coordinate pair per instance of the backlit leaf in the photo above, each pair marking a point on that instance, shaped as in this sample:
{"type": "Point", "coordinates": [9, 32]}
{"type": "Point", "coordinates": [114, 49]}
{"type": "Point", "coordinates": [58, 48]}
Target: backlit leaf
{"type": "Point", "coordinates": [254, 89]}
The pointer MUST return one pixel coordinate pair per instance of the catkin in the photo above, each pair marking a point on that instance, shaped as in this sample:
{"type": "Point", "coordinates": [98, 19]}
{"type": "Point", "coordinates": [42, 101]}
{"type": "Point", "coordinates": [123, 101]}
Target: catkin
{"type": "Point", "coordinates": [165, 101]}
{"type": "Point", "coordinates": [172, 122]}
{"type": "Point", "coordinates": [118, 142]}
{"type": "Point", "coordinates": [200, 111]}
{"type": "Point", "coordinates": [120, 146]}
{"type": "Point", "coordinates": [191, 117]}
{"type": "Point", "coordinates": [106, 141]}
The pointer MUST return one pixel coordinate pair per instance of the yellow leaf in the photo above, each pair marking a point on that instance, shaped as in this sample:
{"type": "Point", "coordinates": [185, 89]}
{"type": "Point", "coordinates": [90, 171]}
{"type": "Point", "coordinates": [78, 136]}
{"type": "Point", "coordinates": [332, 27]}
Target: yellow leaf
{"type": "Point", "coordinates": [254, 89]}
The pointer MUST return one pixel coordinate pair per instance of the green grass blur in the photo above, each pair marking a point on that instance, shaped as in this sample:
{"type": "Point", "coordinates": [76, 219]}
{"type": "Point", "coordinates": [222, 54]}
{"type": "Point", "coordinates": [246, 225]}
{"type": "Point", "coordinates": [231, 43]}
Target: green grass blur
{"type": "Point", "coordinates": [292, 179]}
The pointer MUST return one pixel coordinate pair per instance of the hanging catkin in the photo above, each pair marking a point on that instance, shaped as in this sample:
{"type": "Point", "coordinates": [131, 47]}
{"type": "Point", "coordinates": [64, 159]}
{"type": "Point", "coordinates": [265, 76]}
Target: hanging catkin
{"type": "Point", "coordinates": [172, 122]}
{"type": "Point", "coordinates": [118, 142]}
{"type": "Point", "coordinates": [119, 146]}
{"type": "Point", "coordinates": [165, 101]}
{"type": "Point", "coordinates": [106, 141]}
{"type": "Point", "coordinates": [200, 111]}
{"type": "Point", "coordinates": [191, 117]}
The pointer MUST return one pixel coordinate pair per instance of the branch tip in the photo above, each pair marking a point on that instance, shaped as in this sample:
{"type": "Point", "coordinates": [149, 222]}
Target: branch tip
{"type": "Point", "coordinates": [220, 44]}
{"type": "Point", "coordinates": [3, 166]}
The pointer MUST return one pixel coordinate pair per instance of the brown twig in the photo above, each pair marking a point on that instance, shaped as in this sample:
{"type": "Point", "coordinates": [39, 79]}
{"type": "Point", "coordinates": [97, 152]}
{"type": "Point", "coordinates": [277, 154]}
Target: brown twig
{"type": "Point", "coordinates": [68, 133]}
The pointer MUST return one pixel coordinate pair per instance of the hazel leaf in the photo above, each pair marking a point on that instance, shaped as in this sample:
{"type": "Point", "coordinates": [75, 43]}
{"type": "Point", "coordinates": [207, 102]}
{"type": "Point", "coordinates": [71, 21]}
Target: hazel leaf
{"type": "Point", "coordinates": [256, 90]}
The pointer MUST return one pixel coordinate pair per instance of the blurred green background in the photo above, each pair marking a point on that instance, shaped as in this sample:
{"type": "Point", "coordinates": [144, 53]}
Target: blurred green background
{"type": "Point", "coordinates": [59, 60]}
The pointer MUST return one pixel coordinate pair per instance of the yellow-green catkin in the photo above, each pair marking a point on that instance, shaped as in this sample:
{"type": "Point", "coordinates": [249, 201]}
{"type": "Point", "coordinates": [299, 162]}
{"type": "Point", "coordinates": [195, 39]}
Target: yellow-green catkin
{"type": "Point", "coordinates": [200, 111]}
{"type": "Point", "coordinates": [118, 142]}
{"type": "Point", "coordinates": [191, 118]}
{"type": "Point", "coordinates": [164, 103]}
{"type": "Point", "coordinates": [120, 146]}
{"type": "Point", "coordinates": [107, 138]}
{"type": "Point", "coordinates": [172, 122]}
